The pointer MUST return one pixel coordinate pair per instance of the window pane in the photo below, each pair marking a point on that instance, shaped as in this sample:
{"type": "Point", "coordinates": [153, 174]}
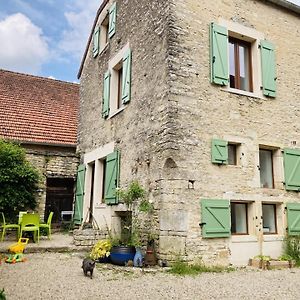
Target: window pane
{"type": "Point", "coordinates": [269, 218]}
{"type": "Point", "coordinates": [244, 59]}
{"type": "Point", "coordinates": [239, 218]}
{"type": "Point", "coordinates": [231, 154]}
{"type": "Point", "coordinates": [266, 168]}
{"type": "Point", "coordinates": [231, 64]}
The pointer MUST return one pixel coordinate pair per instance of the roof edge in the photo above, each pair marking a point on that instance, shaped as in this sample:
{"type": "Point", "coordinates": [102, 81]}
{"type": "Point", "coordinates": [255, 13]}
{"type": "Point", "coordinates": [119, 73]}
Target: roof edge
{"type": "Point", "coordinates": [103, 4]}
{"type": "Point", "coordinates": [287, 4]}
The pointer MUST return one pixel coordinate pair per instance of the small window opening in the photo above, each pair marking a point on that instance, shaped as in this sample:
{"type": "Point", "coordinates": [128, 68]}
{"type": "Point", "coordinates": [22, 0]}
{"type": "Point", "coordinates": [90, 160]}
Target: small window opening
{"type": "Point", "coordinates": [239, 218]}
{"type": "Point", "coordinates": [104, 30]}
{"type": "Point", "coordinates": [266, 168]}
{"type": "Point", "coordinates": [232, 154]}
{"type": "Point", "coordinates": [269, 218]}
{"type": "Point", "coordinates": [120, 79]}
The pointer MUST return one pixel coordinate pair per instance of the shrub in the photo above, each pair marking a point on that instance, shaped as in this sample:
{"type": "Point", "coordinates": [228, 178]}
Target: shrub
{"type": "Point", "coordinates": [18, 180]}
{"type": "Point", "coordinates": [2, 295]}
{"type": "Point", "coordinates": [292, 248]}
{"type": "Point", "coordinates": [101, 249]}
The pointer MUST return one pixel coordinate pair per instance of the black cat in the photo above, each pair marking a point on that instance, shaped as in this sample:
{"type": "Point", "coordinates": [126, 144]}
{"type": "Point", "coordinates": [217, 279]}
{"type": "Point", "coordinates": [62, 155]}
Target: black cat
{"type": "Point", "coordinates": [88, 265]}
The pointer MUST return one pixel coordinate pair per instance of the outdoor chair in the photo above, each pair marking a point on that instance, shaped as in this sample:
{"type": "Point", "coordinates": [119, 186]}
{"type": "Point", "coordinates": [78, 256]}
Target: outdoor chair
{"type": "Point", "coordinates": [8, 226]}
{"type": "Point", "coordinates": [47, 225]}
{"type": "Point", "coordinates": [31, 222]}
{"type": "Point", "coordinates": [21, 213]}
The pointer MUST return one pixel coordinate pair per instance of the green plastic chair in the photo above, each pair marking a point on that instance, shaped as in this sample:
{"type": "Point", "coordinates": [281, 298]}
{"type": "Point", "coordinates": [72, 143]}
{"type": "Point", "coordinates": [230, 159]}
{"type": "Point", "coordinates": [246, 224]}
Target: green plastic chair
{"type": "Point", "coordinates": [47, 225]}
{"type": "Point", "coordinates": [21, 214]}
{"type": "Point", "coordinates": [8, 226]}
{"type": "Point", "coordinates": [31, 222]}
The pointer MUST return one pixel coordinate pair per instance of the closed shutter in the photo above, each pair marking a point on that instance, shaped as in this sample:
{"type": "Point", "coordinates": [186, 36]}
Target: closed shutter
{"type": "Point", "coordinates": [215, 218]}
{"type": "Point", "coordinates": [78, 207]}
{"type": "Point", "coordinates": [293, 218]}
{"type": "Point", "coordinates": [292, 169]}
{"type": "Point", "coordinates": [111, 179]}
{"type": "Point", "coordinates": [219, 54]}
{"type": "Point", "coordinates": [96, 42]}
{"type": "Point", "coordinates": [126, 80]}
{"type": "Point", "coordinates": [112, 20]}
{"type": "Point", "coordinates": [268, 68]}
{"type": "Point", "coordinates": [219, 151]}
{"type": "Point", "coordinates": [106, 95]}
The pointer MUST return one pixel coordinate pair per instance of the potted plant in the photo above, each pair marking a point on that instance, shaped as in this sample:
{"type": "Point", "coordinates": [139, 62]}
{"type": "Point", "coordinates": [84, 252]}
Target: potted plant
{"type": "Point", "coordinates": [127, 247]}
{"type": "Point", "coordinates": [101, 251]}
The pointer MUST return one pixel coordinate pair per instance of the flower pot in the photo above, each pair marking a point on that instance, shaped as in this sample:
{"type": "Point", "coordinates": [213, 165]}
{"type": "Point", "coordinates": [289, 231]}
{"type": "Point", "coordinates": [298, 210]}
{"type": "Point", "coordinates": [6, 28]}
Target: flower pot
{"type": "Point", "coordinates": [120, 255]}
{"type": "Point", "coordinates": [104, 260]}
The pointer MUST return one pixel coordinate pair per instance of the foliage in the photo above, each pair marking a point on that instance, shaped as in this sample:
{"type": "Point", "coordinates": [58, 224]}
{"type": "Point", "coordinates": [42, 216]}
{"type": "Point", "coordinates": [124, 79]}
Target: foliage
{"type": "Point", "coordinates": [263, 257]}
{"type": "Point", "coordinates": [101, 249]}
{"type": "Point", "coordinates": [183, 269]}
{"type": "Point", "coordinates": [292, 248]}
{"type": "Point", "coordinates": [285, 257]}
{"type": "Point", "coordinates": [146, 206]}
{"type": "Point", "coordinates": [18, 180]}
{"type": "Point", "coordinates": [132, 193]}
{"type": "Point", "coordinates": [2, 295]}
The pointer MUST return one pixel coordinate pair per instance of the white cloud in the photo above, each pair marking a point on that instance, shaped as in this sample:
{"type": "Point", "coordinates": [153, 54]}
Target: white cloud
{"type": "Point", "coordinates": [80, 17]}
{"type": "Point", "coordinates": [23, 46]}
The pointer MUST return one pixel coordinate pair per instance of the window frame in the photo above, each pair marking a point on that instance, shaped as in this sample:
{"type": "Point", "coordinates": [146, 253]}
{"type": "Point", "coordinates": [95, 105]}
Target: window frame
{"type": "Point", "coordinates": [238, 42]}
{"type": "Point", "coordinates": [275, 218]}
{"type": "Point", "coordinates": [272, 165]}
{"type": "Point", "coordinates": [247, 217]}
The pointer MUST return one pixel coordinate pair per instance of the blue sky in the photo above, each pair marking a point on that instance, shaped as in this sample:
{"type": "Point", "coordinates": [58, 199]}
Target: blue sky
{"type": "Point", "coordinates": [46, 37]}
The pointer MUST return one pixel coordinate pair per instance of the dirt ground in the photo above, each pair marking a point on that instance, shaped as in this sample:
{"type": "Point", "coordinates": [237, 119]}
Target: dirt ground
{"type": "Point", "coordinates": [59, 276]}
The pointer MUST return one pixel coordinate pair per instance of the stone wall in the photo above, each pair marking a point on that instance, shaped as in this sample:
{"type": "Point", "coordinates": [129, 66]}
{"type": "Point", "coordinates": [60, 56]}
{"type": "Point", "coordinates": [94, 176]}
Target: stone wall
{"type": "Point", "coordinates": [87, 237]}
{"type": "Point", "coordinates": [52, 162]}
{"type": "Point", "coordinates": [165, 132]}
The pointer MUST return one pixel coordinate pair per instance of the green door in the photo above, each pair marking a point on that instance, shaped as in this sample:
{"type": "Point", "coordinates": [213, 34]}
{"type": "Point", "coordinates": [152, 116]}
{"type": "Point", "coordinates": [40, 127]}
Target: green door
{"type": "Point", "coordinates": [78, 208]}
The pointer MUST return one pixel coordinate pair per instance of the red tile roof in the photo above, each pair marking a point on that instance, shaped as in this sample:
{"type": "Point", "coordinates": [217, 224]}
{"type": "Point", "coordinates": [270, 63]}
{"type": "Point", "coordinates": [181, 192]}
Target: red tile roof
{"type": "Point", "coordinates": [38, 110]}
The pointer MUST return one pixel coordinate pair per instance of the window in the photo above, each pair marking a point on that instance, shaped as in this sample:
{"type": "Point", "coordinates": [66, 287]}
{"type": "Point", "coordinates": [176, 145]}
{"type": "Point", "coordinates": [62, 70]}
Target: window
{"type": "Point", "coordinates": [239, 218]}
{"type": "Point", "coordinates": [117, 83]}
{"type": "Point", "coordinates": [266, 168]}
{"type": "Point", "coordinates": [232, 154]}
{"type": "Point", "coordinates": [104, 32]}
{"type": "Point", "coordinates": [242, 60]}
{"type": "Point", "coordinates": [269, 218]}
{"type": "Point", "coordinates": [240, 65]}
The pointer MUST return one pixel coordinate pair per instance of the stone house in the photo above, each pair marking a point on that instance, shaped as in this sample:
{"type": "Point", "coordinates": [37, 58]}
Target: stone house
{"type": "Point", "coordinates": [41, 115]}
{"type": "Point", "coordinates": [198, 101]}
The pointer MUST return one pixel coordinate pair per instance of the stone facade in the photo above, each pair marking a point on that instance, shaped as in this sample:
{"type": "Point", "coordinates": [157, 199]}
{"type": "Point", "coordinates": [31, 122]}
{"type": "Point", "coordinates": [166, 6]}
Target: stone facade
{"type": "Point", "coordinates": [164, 134]}
{"type": "Point", "coordinates": [51, 162]}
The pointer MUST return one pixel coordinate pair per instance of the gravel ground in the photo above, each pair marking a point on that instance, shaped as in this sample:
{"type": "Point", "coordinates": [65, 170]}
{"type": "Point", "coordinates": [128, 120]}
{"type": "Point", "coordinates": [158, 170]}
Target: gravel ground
{"type": "Point", "coordinates": [59, 276]}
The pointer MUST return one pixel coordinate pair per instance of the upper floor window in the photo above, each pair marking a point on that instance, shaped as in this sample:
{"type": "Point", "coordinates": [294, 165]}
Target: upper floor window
{"type": "Point", "coordinates": [242, 60]}
{"type": "Point", "coordinates": [240, 65]}
{"type": "Point", "coordinates": [266, 168]}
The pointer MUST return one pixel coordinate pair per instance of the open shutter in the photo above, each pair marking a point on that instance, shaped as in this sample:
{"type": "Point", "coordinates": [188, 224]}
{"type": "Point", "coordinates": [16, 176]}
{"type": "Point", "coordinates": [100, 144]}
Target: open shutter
{"type": "Point", "coordinates": [126, 80]}
{"type": "Point", "coordinates": [111, 179]}
{"type": "Point", "coordinates": [268, 68]}
{"type": "Point", "coordinates": [292, 169]}
{"type": "Point", "coordinates": [112, 20]}
{"type": "Point", "coordinates": [78, 207]}
{"type": "Point", "coordinates": [219, 54]}
{"type": "Point", "coordinates": [215, 218]}
{"type": "Point", "coordinates": [96, 42]}
{"type": "Point", "coordinates": [293, 218]}
{"type": "Point", "coordinates": [219, 152]}
{"type": "Point", "coordinates": [106, 95]}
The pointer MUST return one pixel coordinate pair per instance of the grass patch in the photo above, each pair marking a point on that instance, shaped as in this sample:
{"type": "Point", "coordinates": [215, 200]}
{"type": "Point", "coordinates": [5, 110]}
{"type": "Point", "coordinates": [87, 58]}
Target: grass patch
{"type": "Point", "coordinates": [182, 268]}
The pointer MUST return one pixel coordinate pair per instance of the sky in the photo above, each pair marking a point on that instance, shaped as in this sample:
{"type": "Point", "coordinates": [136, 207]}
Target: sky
{"type": "Point", "coordinates": [46, 37]}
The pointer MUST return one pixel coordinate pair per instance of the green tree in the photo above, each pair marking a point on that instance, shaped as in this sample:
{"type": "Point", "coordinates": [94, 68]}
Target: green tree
{"type": "Point", "coordinates": [18, 180]}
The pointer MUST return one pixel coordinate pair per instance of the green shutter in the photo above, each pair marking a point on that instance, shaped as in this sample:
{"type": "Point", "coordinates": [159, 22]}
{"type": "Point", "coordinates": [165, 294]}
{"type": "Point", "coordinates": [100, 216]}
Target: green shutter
{"type": "Point", "coordinates": [292, 169]}
{"type": "Point", "coordinates": [78, 207]}
{"type": "Point", "coordinates": [268, 68]}
{"type": "Point", "coordinates": [219, 152]}
{"type": "Point", "coordinates": [111, 179]}
{"type": "Point", "coordinates": [96, 42]}
{"type": "Point", "coordinates": [215, 218]}
{"type": "Point", "coordinates": [112, 20]}
{"type": "Point", "coordinates": [293, 218]}
{"type": "Point", "coordinates": [219, 54]}
{"type": "Point", "coordinates": [106, 95]}
{"type": "Point", "coordinates": [126, 80]}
